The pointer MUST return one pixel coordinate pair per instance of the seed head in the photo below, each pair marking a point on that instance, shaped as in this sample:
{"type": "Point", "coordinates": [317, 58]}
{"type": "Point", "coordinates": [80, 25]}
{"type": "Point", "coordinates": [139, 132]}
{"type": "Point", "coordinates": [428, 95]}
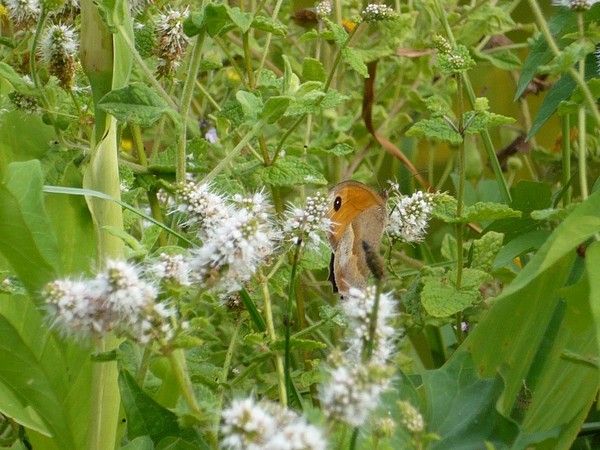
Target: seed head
{"type": "Point", "coordinates": [172, 41]}
{"type": "Point", "coordinates": [58, 50]}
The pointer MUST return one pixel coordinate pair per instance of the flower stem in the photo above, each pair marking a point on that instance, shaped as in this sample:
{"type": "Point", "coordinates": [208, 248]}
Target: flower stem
{"type": "Point", "coordinates": [225, 374]}
{"type": "Point", "coordinates": [566, 158]}
{"type": "Point", "coordinates": [269, 36]}
{"type": "Point", "coordinates": [273, 337]}
{"type": "Point", "coordinates": [186, 101]}
{"type": "Point", "coordinates": [579, 77]}
{"type": "Point", "coordinates": [485, 135]}
{"type": "Point", "coordinates": [581, 121]}
{"type": "Point", "coordinates": [287, 321]}
{"type": "Point", "coordinates": [461, 187]}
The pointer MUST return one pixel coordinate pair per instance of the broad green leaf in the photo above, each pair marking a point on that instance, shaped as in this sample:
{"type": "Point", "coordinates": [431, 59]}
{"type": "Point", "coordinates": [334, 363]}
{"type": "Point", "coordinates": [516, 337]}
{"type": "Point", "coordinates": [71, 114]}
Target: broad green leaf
{"type": "Point", "coordinates": [437, 129]}
{"type": "Point", "coordinates": [485, 250]}
{"type": "Point", "coordinates": [291, 171]}
{"type": "Point", "coordinates": [478, 121]}
{"type": "Point", "coordinates": [505, 59]}
{"type": "Point", "coordinates": [484, 19]}
{"type": "Point", "coordinates": [50, 378]}
{"type": "Point", "coordinates": [445, 209]}
{"type": "Point", "coordinates": [216, 19]}
{"type": "Point", "coordinates": [461, 407]}
{"type": "Point", "coordinates": [145, 417]}
{"type": "Point", "coordinates": [339, 34]}
{"type": "Point", "coordinates": [27, 240]}
{"type": "Point", "coordinates": [442, 298]}
{"type": "Point", "coordinates": [114, 13]}
{"type": "Point", "coordinates": [136, 103]}
{"type": "Point", "coordinates": [275, 108]}
{"type": "Point", "coordinates": [354, 59]}
{"type": "Point", "coordinates": [519, 246]}
{"type": "Point", "coordinates": [592, 266]}
{"type": "Point", "coordinates": [269, 25]}
{"type": "Point", "coordinates": [313, 70]}
{"type": "Point", "coordinates": [251, 104]}
{"type": "Point", "coordinates": [314, 102]}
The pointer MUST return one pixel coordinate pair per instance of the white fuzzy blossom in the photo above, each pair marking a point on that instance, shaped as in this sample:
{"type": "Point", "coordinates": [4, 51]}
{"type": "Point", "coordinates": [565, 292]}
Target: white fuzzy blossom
{"type": "Point", "coordinates": [118, 299]}
{"type": "Point", "coordinates": [235, 246]}
{"type": "Point", "coordinates": [323, 8]}
{"type": "Point", "coordinates": [172, 41]}
{"type": "Point", "coordinates": [358, 307]}
{"type": "Point", "coordinates": [577, 5]}
{"type": "Point", "coordinates": [252, 425]}
{"type": "Point", "coordinates": [172, 269]}
{"type": "Point", "coordinates": [358, 379]}
{"type": "Point", "coordinates": [23, 13]}
{"type": "Point", "coordinates": [58, 49]}
{"type": "Point", "coordinates": [202, 206]}
{"type": "Point", "coordinates": [353, 392]}
{"type": "Point", "coordinates": [309, 223]}
{"type": "Point", "coordinates": [410, 216]}
{"type": "Point", "coordinates": [375, 12]}
{"type": "Point", "coordinates": [410, 417]}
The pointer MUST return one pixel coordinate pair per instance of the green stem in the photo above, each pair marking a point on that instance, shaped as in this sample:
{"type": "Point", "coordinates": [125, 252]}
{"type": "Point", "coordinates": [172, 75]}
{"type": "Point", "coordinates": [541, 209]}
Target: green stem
{"type": "Point", "coordinates": [461, 187]}
{"type": "Point", "coordinates": [138, 141]}
{"type": "Point", "coordinates": [353, 438]}
{"type": "Point", "coordinates": [326, 87]}
{"type": "Point", "coordinates": [186, 101]}
{"type": "Point", "coordinates": [233, 153]}
{"type": "Point", "coordinates": [581, 121]}
{"type": "Point", "coordinates": [273, 337]}
{"type": "Point", "coordinates": [579, 77]}
{"type": "Point", "coordinates": [269, 36]}
{"type": "Point", "coordinates": [225, 374]}
{"type": "Point", "coordinates": [33, 51]}
{"type": "Point", "coordinates": [485, 135]}
{"type": "Point", "coordinates": [287, 321]}
{"type": "Point", "coordinates": [566, 157]}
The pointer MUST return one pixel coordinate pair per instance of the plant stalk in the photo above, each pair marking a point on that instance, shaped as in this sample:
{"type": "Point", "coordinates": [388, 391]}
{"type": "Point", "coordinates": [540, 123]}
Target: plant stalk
{"type": "Point", "coordinates": [566, 158]}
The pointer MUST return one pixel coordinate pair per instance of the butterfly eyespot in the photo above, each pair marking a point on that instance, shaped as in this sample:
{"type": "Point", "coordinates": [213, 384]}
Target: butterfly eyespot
{"type": "Point", "coordinates": [337, 203]}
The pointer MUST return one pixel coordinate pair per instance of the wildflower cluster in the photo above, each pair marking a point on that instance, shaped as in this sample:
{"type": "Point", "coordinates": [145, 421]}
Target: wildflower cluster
{"type": "Point", "coordinates": [452, 60]}
{"type": "Point", "coordinates": [576, 5]}
{"type": "Point", "coordinates": [23, 13]}
{"type": "Point", "coordinates": [22, 101]}
{"type": "Point", "coordinates": [118, 299]}
{"type": "Point", "coordinates": [172, 41]}
{"type": "Point", "coordinates": [323, 8]}
{"type": "Point", "coordinates": [356, 383]}
{"type": "Point", "coordinates": [411, 418]}
{"type": "Point", "coordinates": [410, 216]}
{"type": "Point", "coordinates": [58, 50]}
{"type": "Point", "coordinates": [375, 12]}
{"type": "Point", "coordinates": [251, 425]}
{"type": "Point", "coordinates": [237, 235]}
{"type": "Point", "coordinates": [308, 223]}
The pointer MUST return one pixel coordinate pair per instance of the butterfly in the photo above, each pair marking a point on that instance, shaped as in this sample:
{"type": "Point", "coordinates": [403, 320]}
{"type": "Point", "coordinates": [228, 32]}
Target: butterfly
{"type": "Point", "coordinates": [359, 216]}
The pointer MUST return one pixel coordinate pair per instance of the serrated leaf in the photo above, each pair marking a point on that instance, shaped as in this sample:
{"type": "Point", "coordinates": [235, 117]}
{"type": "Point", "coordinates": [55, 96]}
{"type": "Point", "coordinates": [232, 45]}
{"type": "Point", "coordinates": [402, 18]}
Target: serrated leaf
{"type": "Point", "coordinates": [135, 103]}
{"type": "Point", "coordinates": [355, 60]}
{"type": "Point", "coordinates": [445, 209]}
{"type": "Point", "coordinates": [441, 297]}
{"type": "Point", "coordinates": [437, 129]}
{"type": "Point", "coordinates": [291, 171]}
{"type": "Point", "coordinates": [339, 34]}
{"type": "Point", "coordinates": [269, 25]}
{"type": "Point", "coordinates": [251, 104]}
{"type": "Point", "coordinates": [478, 121]}
{"type": "Point", "coordinates": [315, 101]}
{"type": "Point", "coordinates": [313, 70]}
{"type": "Point", "coordinates": [485, 250]}
{"type": "Point", "coordinates": [241, 19]}
{"type": "Point", "coordinates": [275, 108]}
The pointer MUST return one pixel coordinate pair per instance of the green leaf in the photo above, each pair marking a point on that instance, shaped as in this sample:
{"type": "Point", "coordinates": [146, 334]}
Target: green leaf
{"type": "Point", "coordinates": [592, 267]}
{"type": "Point", "coordinates": [505, 59]}
{"type": "Point", "coordinates": [114, 13]}
{"type": "Point", "coordinates": [251, 104]}
{"type": "Point", "coordinates": [140, 443]}
{"type": "Point", "coordinates": [445, 209]}
{"type": "Point", "coordinates": [478, 121]}
{"type": "Point", "coordinates": [313, 70]}
{"type": "Point", "coordinates": [341, 149]}
{"type": "Point", "coordinates": [50, 379]}
{"type": "Point", "coordinates": [275, 108]}
{"type": "Point", "coordinates": [269, 25]}
{"type": "Point", "coordinates": [241, 19]}
{"type": "Point", "coordinates": [315, 101]}
{"type": "Point", "coordinates": [355, 60]}
{"type": "Point", "coordinates": [290, 171]}
{"type": "Point", "coordinates": [441, 297]}
{"type": "Point", "coordinates": [16, 80]}
{"type": "Point", "coordinates": [437, 129]}
{"type": "Point", "coordinates": [461, 407]}
{"type": "Point", "coordinates": [485, 250]}
{"type": "Point", "coordinates": [26, 237]}
{"type": "Point", "coordinates": [299, 344]}
{"type": "Point", "coordinates": [339, 34]}
{"type": "Point", "coordinates": [216, 19]}
{"type": "Point", "coordinates": [145, 417]}
{"type": "Point", "coordinates": [135, 103]}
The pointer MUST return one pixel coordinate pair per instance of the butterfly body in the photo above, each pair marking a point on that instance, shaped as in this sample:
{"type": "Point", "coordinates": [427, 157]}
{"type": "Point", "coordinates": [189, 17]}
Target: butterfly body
{"type": "Point", "coordinates": [358, 214]}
